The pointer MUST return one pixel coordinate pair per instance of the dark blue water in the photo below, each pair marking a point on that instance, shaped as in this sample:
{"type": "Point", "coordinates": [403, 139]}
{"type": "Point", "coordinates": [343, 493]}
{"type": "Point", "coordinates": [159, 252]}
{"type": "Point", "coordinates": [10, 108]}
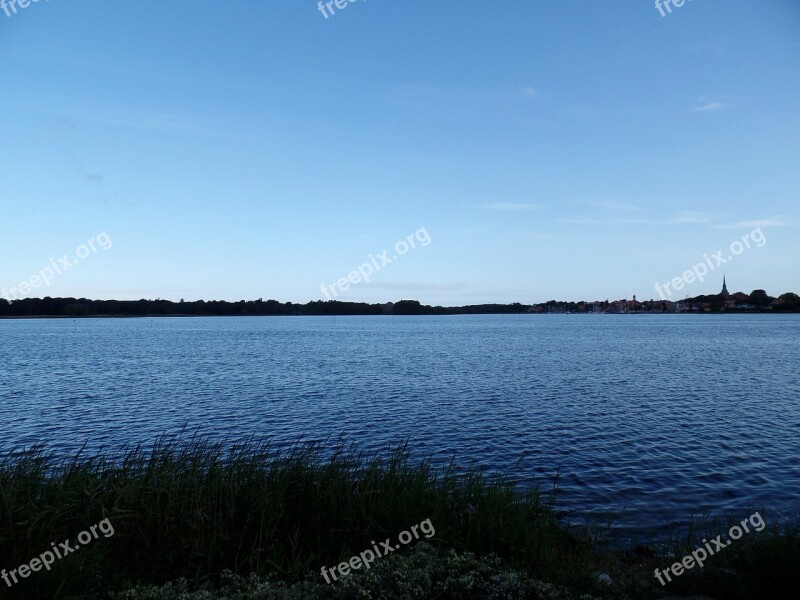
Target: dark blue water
{"type": "Point", "coordinates": [648, 419]}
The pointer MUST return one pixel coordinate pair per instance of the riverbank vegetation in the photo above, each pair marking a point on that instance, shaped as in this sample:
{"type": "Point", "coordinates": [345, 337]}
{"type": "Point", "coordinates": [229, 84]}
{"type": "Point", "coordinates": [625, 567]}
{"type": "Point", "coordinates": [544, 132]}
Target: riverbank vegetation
{"type": "Point", "coordinates": [213, 520]}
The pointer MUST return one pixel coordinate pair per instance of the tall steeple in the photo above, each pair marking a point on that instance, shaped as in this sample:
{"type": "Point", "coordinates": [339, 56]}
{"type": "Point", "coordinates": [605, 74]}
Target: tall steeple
{"type": "Point", "coordinates": [724, 288]}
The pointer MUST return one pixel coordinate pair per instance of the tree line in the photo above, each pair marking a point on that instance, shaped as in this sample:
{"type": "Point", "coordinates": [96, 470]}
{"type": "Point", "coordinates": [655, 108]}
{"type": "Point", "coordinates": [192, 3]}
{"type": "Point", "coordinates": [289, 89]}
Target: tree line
{"type": "Point", "coordinates": [83, 307]}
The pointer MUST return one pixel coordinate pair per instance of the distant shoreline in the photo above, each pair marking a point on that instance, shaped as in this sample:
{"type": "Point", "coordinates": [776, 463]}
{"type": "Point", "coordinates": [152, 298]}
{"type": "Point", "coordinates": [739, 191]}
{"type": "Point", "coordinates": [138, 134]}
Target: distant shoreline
{"type": "Point", "coordinates": [756, 302]}
{"type": "Point", "coordinates": [178, 316]}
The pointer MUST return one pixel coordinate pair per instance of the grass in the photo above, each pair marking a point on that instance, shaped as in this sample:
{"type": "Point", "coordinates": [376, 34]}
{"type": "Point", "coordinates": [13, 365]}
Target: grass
{"type": "Point", "coordinates": [196, 520]}
{"type": "Point", "coordinates": [194, 509]}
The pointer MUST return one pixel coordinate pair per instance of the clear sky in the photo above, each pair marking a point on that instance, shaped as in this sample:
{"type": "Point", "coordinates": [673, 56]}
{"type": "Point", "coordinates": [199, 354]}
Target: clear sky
{"type": "Point", "coordinates": [257, 149]}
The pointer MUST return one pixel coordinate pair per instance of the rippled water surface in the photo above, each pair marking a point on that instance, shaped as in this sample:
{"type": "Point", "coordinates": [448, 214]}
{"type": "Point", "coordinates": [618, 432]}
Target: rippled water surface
{"type": "Point", "coordinates": [646, 418]}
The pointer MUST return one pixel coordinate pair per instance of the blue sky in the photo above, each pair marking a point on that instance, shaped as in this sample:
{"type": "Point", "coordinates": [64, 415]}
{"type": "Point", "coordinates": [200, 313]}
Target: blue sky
{"type": "Point", "coordinates": [251, 149]}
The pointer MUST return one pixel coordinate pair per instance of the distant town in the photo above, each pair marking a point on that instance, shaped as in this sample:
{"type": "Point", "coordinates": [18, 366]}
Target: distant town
{"type": "Point", "coordinates": [757, 301]}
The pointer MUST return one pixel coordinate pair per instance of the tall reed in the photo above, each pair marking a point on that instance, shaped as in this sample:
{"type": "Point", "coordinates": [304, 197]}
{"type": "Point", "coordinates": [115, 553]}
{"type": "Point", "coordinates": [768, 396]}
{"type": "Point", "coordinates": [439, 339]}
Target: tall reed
{"type": "Point", "coordinates": [191, 507]}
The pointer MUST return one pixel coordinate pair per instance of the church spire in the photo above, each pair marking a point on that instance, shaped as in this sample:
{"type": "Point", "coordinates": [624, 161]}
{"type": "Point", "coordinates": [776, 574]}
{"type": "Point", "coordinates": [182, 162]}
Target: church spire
{"type": "Point", "coordinates": [724, 287]}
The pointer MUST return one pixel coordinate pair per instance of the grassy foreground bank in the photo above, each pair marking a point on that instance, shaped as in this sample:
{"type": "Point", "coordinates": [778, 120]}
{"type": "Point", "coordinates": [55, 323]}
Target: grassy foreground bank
{"type": "Point", "coordinates": [194, 519]}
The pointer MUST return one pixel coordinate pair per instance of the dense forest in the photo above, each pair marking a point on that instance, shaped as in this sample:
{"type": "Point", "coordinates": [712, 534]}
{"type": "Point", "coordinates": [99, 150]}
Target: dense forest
{"type": "Point", "coordinates": [757, 301]}
{"type": "Point", "coordinates": [82, 307]}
